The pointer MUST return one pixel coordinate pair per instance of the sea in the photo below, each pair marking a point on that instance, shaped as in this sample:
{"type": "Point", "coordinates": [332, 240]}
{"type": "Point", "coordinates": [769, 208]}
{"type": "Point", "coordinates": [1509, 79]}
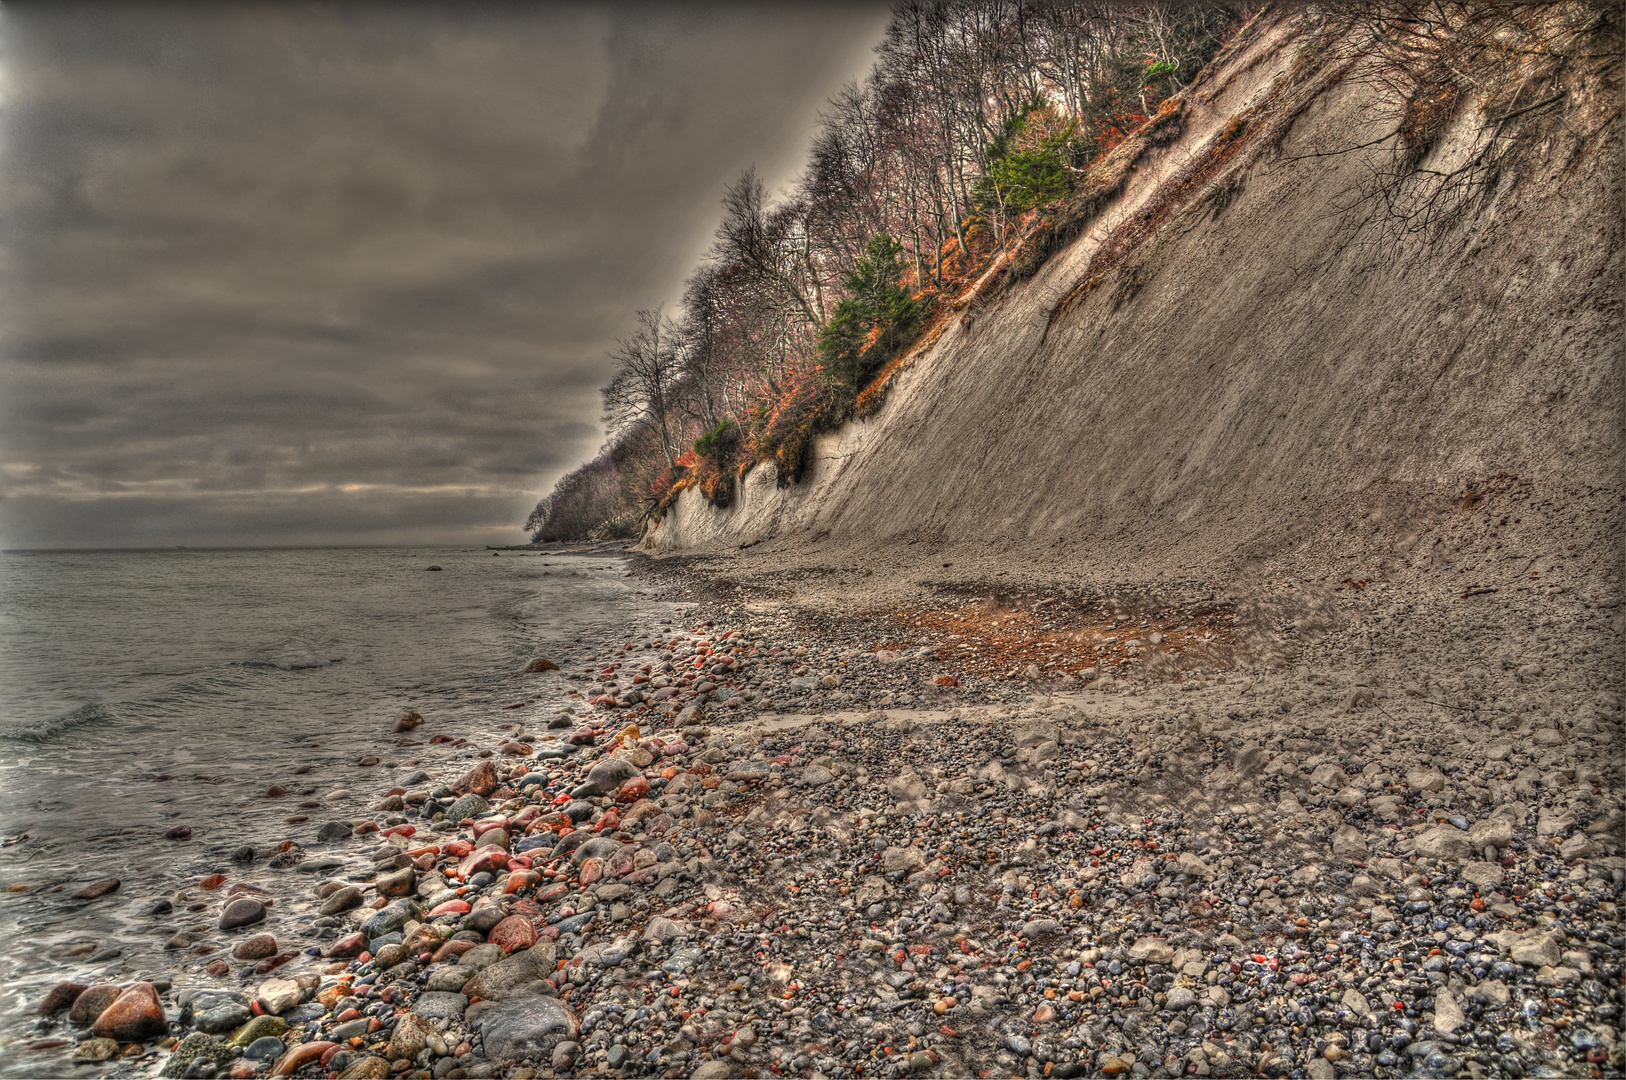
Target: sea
{"type": "Point", "coordinates": [141, 691]}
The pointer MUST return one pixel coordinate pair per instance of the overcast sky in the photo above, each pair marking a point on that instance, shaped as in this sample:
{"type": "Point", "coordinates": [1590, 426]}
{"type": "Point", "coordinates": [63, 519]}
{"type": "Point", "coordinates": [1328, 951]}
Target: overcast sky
{"type": "Point", "coordinates": [293, 274]}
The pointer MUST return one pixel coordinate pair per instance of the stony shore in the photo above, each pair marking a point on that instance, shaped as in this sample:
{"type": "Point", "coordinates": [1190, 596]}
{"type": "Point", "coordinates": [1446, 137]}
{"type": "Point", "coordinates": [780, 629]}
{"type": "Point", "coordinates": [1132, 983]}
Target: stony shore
{"type": "Point", "coordinates": [983, 833]}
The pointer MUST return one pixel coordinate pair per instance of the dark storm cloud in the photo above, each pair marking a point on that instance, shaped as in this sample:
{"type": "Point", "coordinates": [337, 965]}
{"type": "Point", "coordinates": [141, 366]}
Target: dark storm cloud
{"type": "Point", "coordinates": [348, 274]}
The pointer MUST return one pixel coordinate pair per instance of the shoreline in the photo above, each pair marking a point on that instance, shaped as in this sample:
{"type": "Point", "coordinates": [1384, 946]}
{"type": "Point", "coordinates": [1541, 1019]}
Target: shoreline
{"type": "Point", "coordinates": [1233, 872]}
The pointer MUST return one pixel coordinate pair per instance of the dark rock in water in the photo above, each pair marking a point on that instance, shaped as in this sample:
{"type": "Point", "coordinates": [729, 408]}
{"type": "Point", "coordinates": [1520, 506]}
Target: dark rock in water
{"type": "Point", "coordinates": [342, 900]}
{"type": "Point", "coordinates": [60, 997]}
{"type": "Point", "coordinates": [89, 1005]}
{"type": "Point", "coordinates": [244, 854]}
{"type": "Point", "coordinates": [540, 665]}
{"type": "Point", "coordinates": [407, 720]}
{"type": "Point", "coordinates": [284, 859]}
{"type": "Point", "coordinates": [243, 911]}
{"type": "Point", "coordinates": [222, 1017]}
{"type": "Point", "coordinates": [334, 830]}
{"type": "Point", "coordinates": [179, 832]}
{"type": "Point", "coordinates": [97, 889]}
{"type": "Point", "coordinates": [135, 1015]}
{"type": "Point", "coordinates": [563, 720]}
{"type": "Point", "coordinates": [160, 906]}
{"type": "Point", "coordinates": [431, 568]}
{"type": "Point", "coordinates": [525, 1027]}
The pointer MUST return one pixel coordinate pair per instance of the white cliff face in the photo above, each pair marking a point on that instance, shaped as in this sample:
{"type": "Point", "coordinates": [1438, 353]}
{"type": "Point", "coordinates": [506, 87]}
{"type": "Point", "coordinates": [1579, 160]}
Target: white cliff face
{"type": "Point", "coordinates": [1270, 359]}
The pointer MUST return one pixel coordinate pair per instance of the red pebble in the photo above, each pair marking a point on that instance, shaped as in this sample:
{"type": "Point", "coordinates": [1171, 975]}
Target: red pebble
{"type": "Point", "coordinates": [456, 907]}
{"type": "Point", "coordinates": [513, 934]}
{"type": "Point", "coordinates": [486, 858]}
{"type": "Point", "coordinates": [633, 790]}
{"type": "Point", "coordinates": [179, 832]}
{"type": "Point", "coordinates": [276, 792]}
{"type": "Point", "coordinates": [290, 1062]}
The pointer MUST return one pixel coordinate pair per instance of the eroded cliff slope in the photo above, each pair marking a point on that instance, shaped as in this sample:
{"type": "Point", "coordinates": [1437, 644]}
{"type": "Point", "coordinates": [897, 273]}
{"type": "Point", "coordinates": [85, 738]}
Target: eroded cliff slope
{"type": "Point", "coordinates": [1319, 312]}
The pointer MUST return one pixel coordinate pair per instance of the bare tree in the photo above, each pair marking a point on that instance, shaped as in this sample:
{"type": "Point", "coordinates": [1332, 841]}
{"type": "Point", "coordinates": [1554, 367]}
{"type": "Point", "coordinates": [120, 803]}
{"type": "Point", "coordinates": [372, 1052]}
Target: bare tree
{"type": "Point", "coordinates": [647, 368]}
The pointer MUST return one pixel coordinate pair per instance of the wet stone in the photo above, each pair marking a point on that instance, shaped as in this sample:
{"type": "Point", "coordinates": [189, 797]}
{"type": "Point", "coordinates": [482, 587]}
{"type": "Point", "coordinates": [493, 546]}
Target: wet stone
{"type": "Point", "coordinates": [95, 1050]}
{"type": "Point", "coordinates": [221, 1018]}
{"type": "Point", "coordinates": [437, 1006]}
{"type": "Point", "coordinates": [136, 1014]}
{"type": "Point", "coordinates": [259, 1028]}
{"type": "Point", "coordinates": [89, 1005]}
{"type": "Point", "coordinates": [243, 911]}
{"type": "Point", "coordinates": [342, 900]}
{"type": "Point", "coordinates": [257, 947]}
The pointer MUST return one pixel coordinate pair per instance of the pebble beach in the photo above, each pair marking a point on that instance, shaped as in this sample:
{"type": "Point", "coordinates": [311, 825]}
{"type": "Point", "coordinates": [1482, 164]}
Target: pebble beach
{"type": "Point", "coordinates": [974, 835]}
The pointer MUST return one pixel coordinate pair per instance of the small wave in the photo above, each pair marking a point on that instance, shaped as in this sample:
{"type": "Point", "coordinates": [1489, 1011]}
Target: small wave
{"type": "Point", "coordinates": [76, 718]}
{"type": "Point", "coordinates": [295, 662]}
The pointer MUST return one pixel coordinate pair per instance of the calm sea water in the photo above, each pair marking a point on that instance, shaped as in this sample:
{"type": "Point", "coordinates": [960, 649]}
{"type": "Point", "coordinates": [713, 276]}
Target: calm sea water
{"type": "Point", "coordinates": [224, 672]}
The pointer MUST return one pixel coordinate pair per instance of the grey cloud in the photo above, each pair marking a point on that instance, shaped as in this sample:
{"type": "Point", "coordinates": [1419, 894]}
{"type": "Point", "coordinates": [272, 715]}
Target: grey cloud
{"type": "Point", "coordinates": [250, 255]}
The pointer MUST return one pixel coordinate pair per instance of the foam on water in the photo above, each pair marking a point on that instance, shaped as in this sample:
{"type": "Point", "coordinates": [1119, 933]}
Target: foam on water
{"type": "Point", "coordinates": [83, 716]}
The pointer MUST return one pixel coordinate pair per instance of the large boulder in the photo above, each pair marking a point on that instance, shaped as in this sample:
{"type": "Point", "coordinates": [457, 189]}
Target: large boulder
{"type": "Point", "coordinates": [135, 1015]}
{"type": "Point", "coordinates": [516, 976]}
{"type": "Point", "coordinates": [526, 1027]}
{"type": "Point", "coordinates": [1443, 842]}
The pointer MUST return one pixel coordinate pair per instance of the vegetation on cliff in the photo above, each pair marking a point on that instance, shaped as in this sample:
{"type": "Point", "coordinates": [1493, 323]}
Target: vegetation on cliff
{"type": "Point", "coordinates": [976, 116]}
{"type": "Point", "coordinates": [989, 135]}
